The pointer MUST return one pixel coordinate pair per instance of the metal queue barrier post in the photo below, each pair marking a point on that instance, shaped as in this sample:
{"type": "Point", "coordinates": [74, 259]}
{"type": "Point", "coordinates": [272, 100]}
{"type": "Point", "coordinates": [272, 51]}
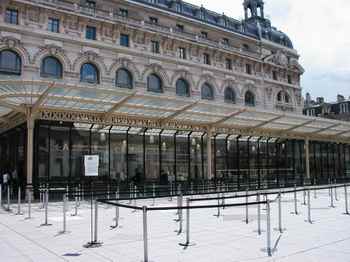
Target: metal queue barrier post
{"type": "Point", "coordinates": [331, 195]}
{"type": "Point", "coordinates": [154, 194]}
{"type": "Point", "coordinates": [64, 209]}
{"type": "Point", "coordinates": [187, 243]}
{"type": "Point", "coordinates": [29, 197]}
{"type": "Point", "coordinates": [8, 199]}
{"type": "Point", "coordinates": [135, 196]}
{"type": "Point", "coordinates": [0, 195]}
{"type": "Point", "coordinates": [94, 228]}
{"type": "Point", "coordinates": [76, 202]}
{"type": "Point", "coordinates": [268, 228]}
{"type": "Point", "coordinates": [19, 202]}
{"type": "Point", "coordinates": [335, 190]}
{"type": "Point", "coordinates": [280, 228]}
{"type": "Point", "coordinates": [259, 213]}
{"type": "Point", "coordinates": [130, 194]}
{"type": "Point", "coordinates": [295, 200]}
{"type": "Point", "coordinates": [246, 207]}
{"type": "Point", "coordinates": [46, 206]}
{"type": "Point", "coordinates": [309, 207]}
{"type": "Point", "coordinates": [346, 200]}
{"type": "Point", "coordinates": [304, 197]}
{"type": "Point", "coordinates": [218, 213]}
{"type": "Point", "coordinates": [145, 235]}
{"type": "Point", "coordinates": [180, 215]}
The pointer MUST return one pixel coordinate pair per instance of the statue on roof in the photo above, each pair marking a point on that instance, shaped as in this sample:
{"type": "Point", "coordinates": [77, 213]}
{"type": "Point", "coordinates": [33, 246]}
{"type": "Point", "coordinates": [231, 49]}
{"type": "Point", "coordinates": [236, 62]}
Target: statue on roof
{"type": "Point", "coordinates": [253, 6]}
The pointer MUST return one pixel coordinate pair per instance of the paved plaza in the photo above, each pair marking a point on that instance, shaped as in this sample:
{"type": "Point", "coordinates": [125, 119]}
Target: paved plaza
{"type": "Point", "coordinates": [220, 239]}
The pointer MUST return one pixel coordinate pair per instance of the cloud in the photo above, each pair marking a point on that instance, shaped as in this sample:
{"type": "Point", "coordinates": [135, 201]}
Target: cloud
{"type": "Point", "coordinates": [319, 32]}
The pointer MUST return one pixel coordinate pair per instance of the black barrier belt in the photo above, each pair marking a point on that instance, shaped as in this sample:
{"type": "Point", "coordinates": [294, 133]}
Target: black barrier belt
{"type": "Point", "coordinates": [224, 197]}
{"type": "Point", "coordinates": [182, 207]}
{"type": "Point", "coordinates": [268, 193]}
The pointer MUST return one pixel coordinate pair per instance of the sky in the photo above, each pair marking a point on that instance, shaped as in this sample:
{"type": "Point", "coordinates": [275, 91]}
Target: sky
{"type": "Point", "coordinates": [319, 30]}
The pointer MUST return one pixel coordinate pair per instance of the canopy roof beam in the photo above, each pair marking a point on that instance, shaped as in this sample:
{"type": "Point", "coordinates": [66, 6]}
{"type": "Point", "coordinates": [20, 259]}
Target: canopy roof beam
{"type": "Point", "coordinates": [268, 121]}
{"type": "Point", "coordinates": [325, 129]}
{"type": "Point", "coordinates": [41, 99]}
{"type": "Point", "coordinates": [300, 125]}
{"type": "Point", "coordinates": [117, 105]}
{"type": "Point", "coordinates": [226, 118]}
{"type": "Point", "coordinates": [180, 111]}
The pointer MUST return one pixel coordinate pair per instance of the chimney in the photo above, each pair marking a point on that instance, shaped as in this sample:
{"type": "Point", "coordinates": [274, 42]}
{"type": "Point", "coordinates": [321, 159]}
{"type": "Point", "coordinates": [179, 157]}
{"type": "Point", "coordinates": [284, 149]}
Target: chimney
{"type": "Point", "coordinates": [319, 100]}
{"type": "Point", "coordinates": [340, 98]}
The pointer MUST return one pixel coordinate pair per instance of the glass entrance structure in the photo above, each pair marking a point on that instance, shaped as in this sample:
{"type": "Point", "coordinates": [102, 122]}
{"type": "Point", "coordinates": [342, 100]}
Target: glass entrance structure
{"type": "Point", "coordinates": [142, 139]}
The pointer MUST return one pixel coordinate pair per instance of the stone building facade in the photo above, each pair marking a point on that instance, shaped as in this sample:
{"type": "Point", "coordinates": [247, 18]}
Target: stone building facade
{"type": "Point", "coordinates": [172, 39]}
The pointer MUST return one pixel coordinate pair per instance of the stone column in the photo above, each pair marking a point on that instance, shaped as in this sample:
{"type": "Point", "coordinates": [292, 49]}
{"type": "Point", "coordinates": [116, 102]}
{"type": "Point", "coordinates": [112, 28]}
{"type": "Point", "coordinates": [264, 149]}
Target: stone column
{"type": "Point", "coordinates": [209, 155]}
{"type": "Point", "coordinates": [307, 158]}
{"type": "Point", "coordinates": [30, 146]}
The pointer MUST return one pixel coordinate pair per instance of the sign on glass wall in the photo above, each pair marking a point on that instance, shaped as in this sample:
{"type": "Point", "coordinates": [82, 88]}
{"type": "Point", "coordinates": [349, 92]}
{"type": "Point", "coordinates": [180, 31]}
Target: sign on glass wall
{"type": "Point", "coordinates": [91, 165]}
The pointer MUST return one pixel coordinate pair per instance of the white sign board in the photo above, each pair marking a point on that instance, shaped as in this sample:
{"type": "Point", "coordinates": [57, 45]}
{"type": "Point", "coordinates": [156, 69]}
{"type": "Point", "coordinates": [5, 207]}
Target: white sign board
{"type": "Point", "coordinates": [91, 165]}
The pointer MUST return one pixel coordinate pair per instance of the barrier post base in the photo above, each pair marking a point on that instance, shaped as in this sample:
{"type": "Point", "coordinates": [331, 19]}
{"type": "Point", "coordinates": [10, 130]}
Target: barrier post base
{"type": "Point", "coordinates": [186, 245]}
{"type": "Point", "coordinates": [93, 244]}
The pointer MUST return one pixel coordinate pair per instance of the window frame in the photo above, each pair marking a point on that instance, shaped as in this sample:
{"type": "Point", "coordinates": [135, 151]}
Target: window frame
{"type": "Point", "coordinates": [182, 53]}
{"type": "Point", "coordinates": [155, 47]}
{"type": "Point", "coordinates": [14, 71]}
{"type": "Point", "coordinates": [10, 18]}
{"type": "Point", "coordinates": [187, 86]}
{"type": "Point", "coordinates": [210, 87]}
{"type": "Point", "coordinates": [232, 99]}
{"type": "Point", "coordinates": [94, 32]}
{"type": "Point", "coordinates": [247, 103]}
{"type": "Point", "coordinates": [159, 88]}
{"type": "Point", "coordinates": [131, 80]}
{"type": "Point", "coordinates": [206, 59]}
{"type": "Point", "coordinates": [96, 70]}
{"type": "Point", "coordinates": [53, 25]}
{"type": "Point", "coordinates": [43, 72]}
{"type": "Point", "coordinates": [125, 37]}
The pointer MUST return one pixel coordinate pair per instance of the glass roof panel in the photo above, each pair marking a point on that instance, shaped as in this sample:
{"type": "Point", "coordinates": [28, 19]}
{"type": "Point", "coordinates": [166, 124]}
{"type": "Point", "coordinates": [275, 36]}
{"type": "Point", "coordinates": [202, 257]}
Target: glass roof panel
{"type": "Point", "coordinates": [212, 109]}
{"type": "Point", "coordinates": [305, 129]}
{"type": "Point", "coordinates": [143, 112]}
{"type": "Point", "coordinates": [156, 102]}
{"type": "Point", "coordinates": [197, 118]}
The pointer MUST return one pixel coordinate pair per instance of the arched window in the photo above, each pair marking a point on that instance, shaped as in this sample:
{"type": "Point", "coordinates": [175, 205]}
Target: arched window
{"type": "Point", "coordinates": [279, 96]}
{"type": "Point", "coordinates": [154, 84]}
{"type": "Point", "coordinates": [10, 63]}
{"type": "Point", "coordinates": [207, 92]}
{"type": "Point", "coordinates": [182, 88]}
{"type": "Point", "coordinates": [123, 79]}
{"type": "Point", "coordinates": [230, 96]}
{"type": "Point", "coordinates": [51, 67]}
{"type": "Point", "coordinates": [287, 98]}
{"type": "Point", "coordinates": [249, 99]}
{"type": "Point", "coordinates": [89, 74]}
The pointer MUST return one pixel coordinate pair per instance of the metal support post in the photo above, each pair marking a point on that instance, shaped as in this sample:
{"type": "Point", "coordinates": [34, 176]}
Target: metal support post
{"type": "Point", "coordinates": [8, 199]}
{"type": "Point", "coordinates": [0, 195]}
{"type": "Point", "coordinates": [145, 234]}
{"type": "Point", "coordinates": [154, 194]}
{"type": "Point", "coordinates": [187, 243]}
{"type": "Point", "coordinates": [295, 200]}
{"type": "Point", "coordinates": [96, 222]}
{"type": "Point", "coordinates": [116, 219]}
{"type": "Point", "coordinates": [346, 200]}
{"type": "Point", "coordinates": [332, 199]}
{"type": "Point", "coordinates": [218, 213]}
{"type": "Point", "coordinates": [280, 229]}
{"type": "Point", "coordinates": [46, 206]}
{"type": "Point", "coordinates": [259, 213]}
{"type": "Point", "coordinates": [19, 202]}
{"type": "Point", "coordinates": [29, 205]}
{"type": "Point", "coordinates": [268, 228]}
{"type": "Point", "coordinates": [304, 197]}
{"type": "Point", "coordinates": [336, 193]}
{"type": "Point", "coordinates": [246, 207]}
{"type": "Point", "coordinates": [64, 208]}
{"type": "Point", "coordinates": [309, 207]}
{"type": "Point", "coordinates": [180, 215]}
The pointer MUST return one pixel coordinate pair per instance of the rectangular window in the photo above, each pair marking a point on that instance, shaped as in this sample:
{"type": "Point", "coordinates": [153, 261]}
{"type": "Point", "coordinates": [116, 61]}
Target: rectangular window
{"type": "Point", "coordinates": [91, 32]}
{"type": "Point", "coordinates": [344, 108]}
{"type": "Point", "coordinates": [11, 16]}
{"type": "Point", "coordinates": [182, 52]}
{"type": "Point", "coordinates": [155, 47]}
{"type": "Point", "coordinates": [124, 12]}
{"type": "Point", "coordinates": [225, 41]}
{"type": "Point", "coordinates": [54, 25]}
{"type": "Point", "coordinates": [180, 28]}
{"type": "Point", "coordinates": [91, 4]}
{"type": "Point", "coordinates": [228, 64]}
{"type": "Point", "coordinates": [248, 69]}
{"type": "Point", "coordinates": [289, 79]}
{"type": "Point", "coordinates": [204, 35]}
{"type": "Point", "coordinates": [124, 40]}
{"type": "Point", "coordinates": [153, 20]}
{"type": "Point", "coordinates": [274, 75]}
{"type": "Point", "coordinates": [206, 59]}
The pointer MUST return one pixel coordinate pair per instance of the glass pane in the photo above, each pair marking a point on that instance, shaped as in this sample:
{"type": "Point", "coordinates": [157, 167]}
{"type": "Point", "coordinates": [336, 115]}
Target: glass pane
{"type": "Point", "coordinates": [135, 158]}
{"type": "Point", "coordinates": [154, 84]}
{"type": "Point", "coordinates": [118, 154]}
{"type": "Point", "coordinates": [80, 147]}
{"type": "Point", "coordinates": [59, 153]}
{"type": "Point", "coordinates": [43, 153]}
{"type": "Point", "coordinates": [100, 147]}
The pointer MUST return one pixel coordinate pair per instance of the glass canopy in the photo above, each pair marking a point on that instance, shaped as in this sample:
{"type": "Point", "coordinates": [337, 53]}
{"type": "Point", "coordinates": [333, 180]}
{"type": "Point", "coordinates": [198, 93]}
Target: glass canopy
{"type": "Point", "coordinates": [18, 95]}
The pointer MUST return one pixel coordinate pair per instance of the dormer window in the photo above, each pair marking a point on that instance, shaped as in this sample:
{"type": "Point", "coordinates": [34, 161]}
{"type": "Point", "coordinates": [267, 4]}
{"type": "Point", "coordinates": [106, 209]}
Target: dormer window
{"type": "Point", "coordinates": [153, 20]}
{"type": "Point", "coordinates": [180, 28]}
{"type": "Point", "coordinates": [225, 41]}
{"type": "Point", "coordinates": [204, 35]}
{"type": "Point", "coordinates": [274, 75]}
{"type": "Point", "coordinates": [123, 12]}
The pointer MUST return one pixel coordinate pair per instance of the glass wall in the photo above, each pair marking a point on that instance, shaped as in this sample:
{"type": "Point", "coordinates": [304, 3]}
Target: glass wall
{"type": "Point", "coordinates": [140, 155]}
